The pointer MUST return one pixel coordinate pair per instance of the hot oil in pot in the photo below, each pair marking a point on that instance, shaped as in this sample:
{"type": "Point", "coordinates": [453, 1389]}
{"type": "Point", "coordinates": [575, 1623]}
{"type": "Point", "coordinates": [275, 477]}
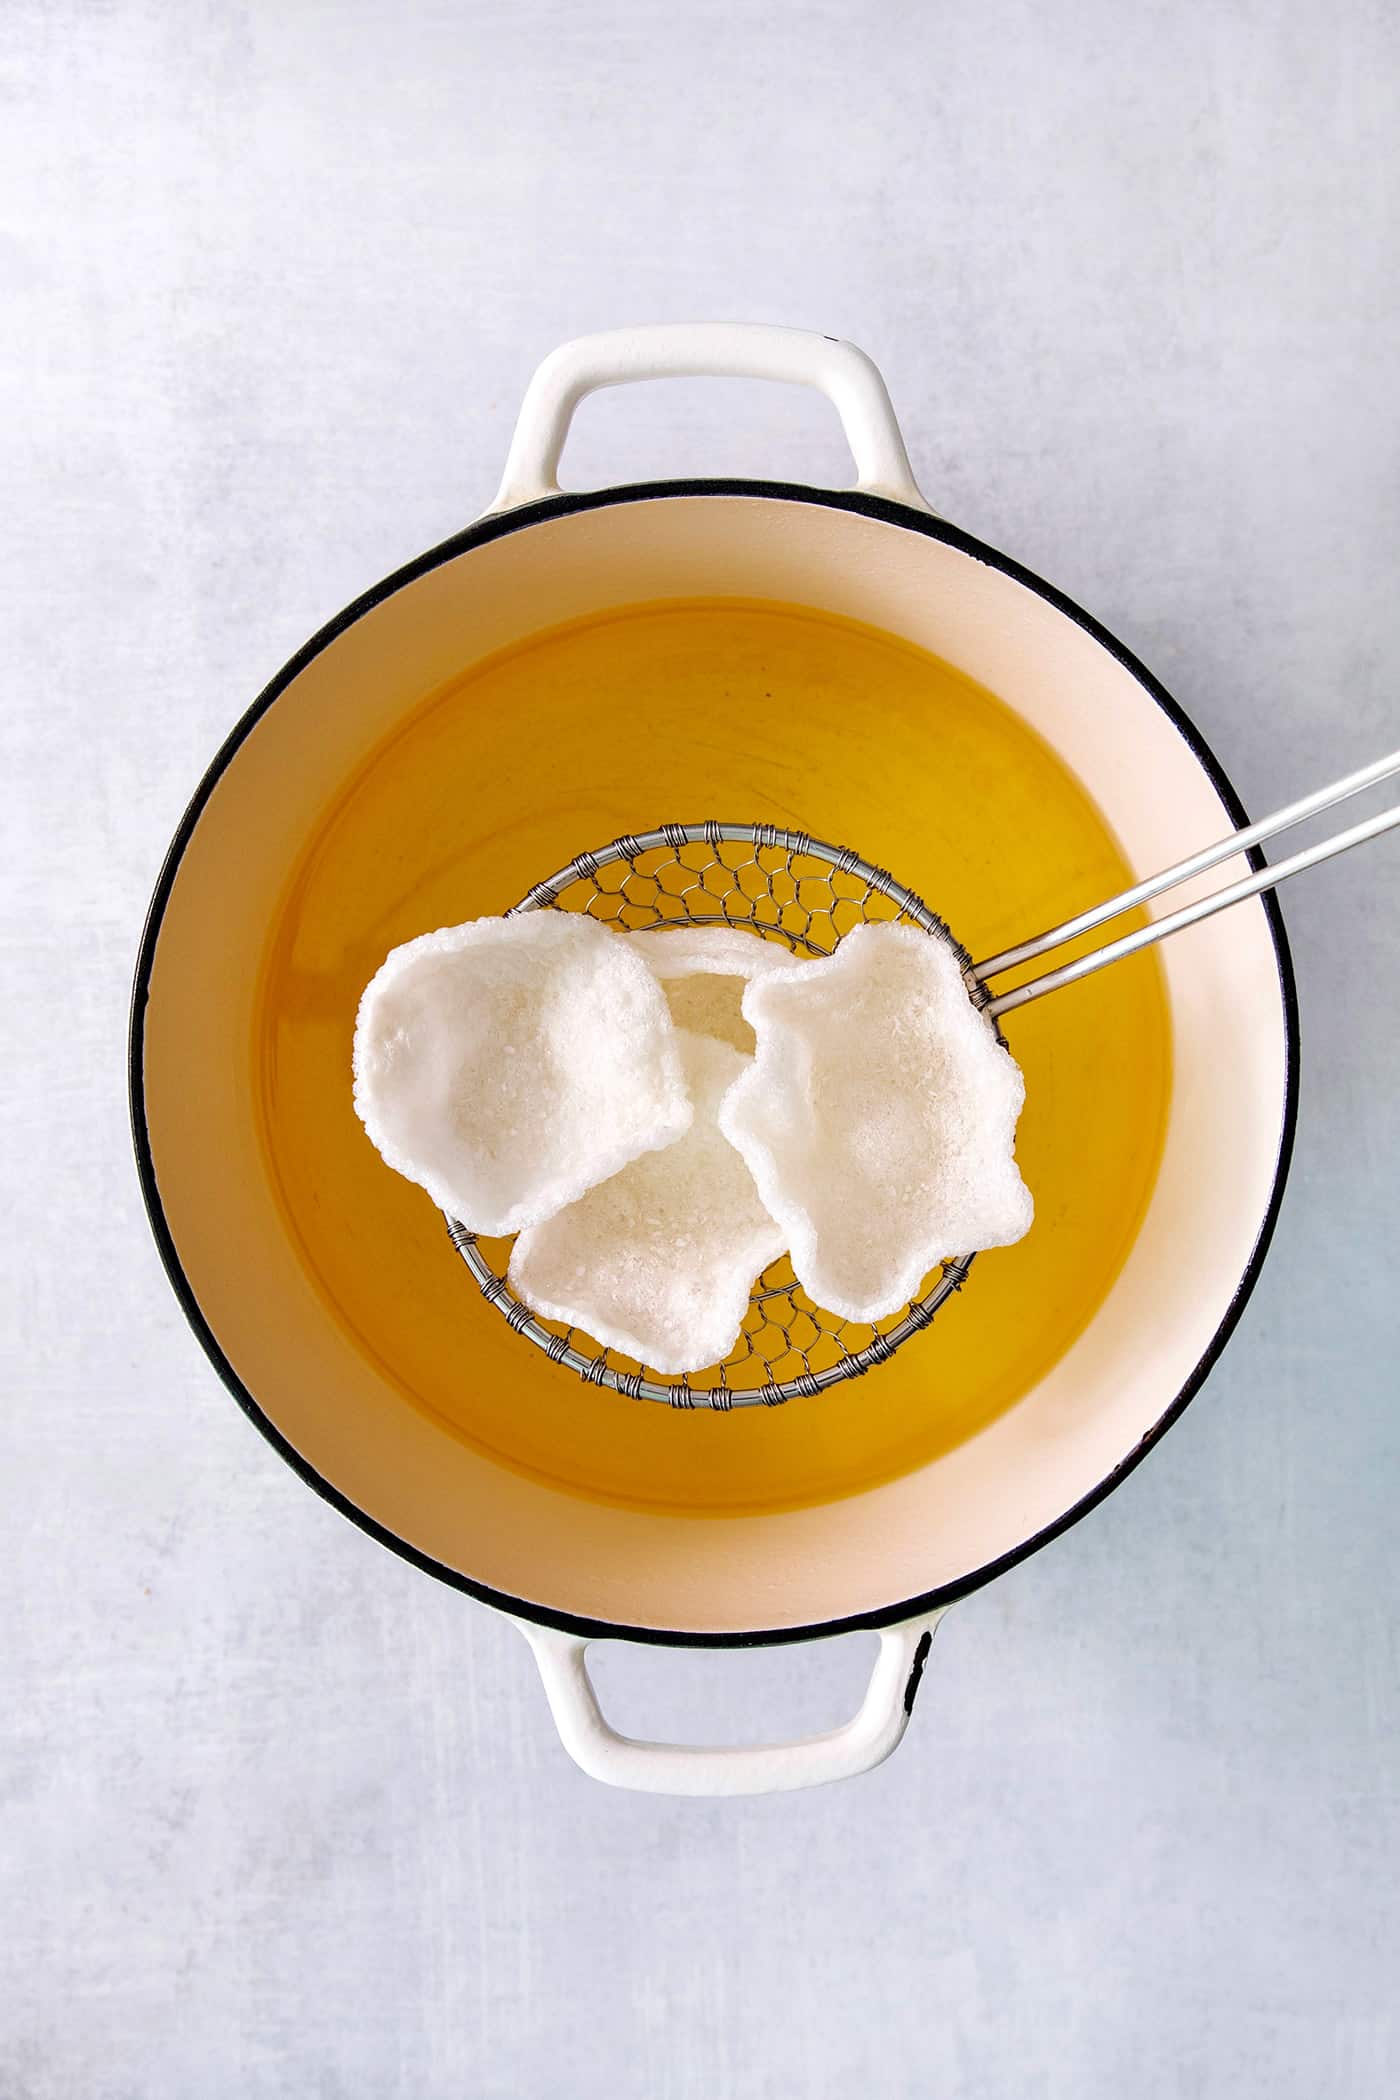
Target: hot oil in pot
{"type": "Point", "coordinates": [675, 712]}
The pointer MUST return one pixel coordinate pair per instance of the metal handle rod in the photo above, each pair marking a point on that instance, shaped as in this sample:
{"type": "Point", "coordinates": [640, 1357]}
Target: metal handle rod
{"type": "Point", "coordinates": [1195, 864]}
{"type": "Point", "coordinates": [1235, 893]}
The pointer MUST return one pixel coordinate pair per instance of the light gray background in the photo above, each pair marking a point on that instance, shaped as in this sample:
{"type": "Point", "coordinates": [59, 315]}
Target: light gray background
{"type": "Point", "coordinates": [281, 1816]}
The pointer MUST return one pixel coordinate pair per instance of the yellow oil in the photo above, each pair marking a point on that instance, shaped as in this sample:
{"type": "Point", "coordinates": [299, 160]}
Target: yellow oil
{"type": "Point", "coordinates": [673, 712]}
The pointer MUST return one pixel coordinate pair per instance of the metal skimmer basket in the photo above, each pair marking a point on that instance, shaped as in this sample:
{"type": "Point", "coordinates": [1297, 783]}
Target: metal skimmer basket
{"type": "Point", "coordinates": [782, 886]}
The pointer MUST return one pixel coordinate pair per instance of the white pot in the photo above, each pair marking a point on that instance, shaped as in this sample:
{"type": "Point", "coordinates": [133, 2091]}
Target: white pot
{"type": "Point", "coordinates": [567, 1568]}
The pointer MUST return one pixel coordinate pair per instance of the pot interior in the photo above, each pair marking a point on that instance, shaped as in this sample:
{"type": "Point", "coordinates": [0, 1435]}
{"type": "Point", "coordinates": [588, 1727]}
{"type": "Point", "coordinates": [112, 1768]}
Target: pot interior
{"type": "Point", "coordinates": [436, 758]}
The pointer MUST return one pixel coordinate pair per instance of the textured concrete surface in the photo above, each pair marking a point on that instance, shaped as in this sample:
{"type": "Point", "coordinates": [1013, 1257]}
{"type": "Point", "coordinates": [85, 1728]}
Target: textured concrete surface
{"type": "Point", "coordinates": [281, 1817]}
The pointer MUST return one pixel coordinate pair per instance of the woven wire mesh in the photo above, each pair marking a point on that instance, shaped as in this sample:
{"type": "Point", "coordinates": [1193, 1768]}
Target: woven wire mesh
{"type": "Point", "coordinates": [781, 886]}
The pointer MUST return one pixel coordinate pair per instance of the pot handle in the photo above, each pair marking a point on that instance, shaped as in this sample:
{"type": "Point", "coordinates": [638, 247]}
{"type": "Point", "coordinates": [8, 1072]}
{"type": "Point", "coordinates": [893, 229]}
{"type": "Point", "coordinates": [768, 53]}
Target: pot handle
{"type": "Point", "coordinates": [706, 350]}
{"type": "Point", "coordinates": [770, 1768]}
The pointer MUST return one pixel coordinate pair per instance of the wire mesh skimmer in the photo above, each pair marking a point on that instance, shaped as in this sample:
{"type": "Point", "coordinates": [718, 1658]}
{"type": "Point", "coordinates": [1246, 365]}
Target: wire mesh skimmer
{"type": "Point", "coordinates": [787, 887]}
{"type": "Point", "coordinates": [782, 886]}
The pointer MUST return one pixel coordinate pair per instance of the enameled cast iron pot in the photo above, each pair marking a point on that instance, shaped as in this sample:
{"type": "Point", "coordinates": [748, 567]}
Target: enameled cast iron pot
{"type": "Point", "coordinates": [570, 1569]}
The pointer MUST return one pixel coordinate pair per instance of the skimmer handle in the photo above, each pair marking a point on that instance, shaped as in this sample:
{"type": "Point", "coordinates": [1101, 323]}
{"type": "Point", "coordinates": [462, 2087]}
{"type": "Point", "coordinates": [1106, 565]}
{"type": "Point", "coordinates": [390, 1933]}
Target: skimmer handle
{"type": "Point", "coordinates": [707, 350]}
{"type": "Point", "coordinates": [770, 1768]}
{"type": "Point", "coordinates": [1265, 878]}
